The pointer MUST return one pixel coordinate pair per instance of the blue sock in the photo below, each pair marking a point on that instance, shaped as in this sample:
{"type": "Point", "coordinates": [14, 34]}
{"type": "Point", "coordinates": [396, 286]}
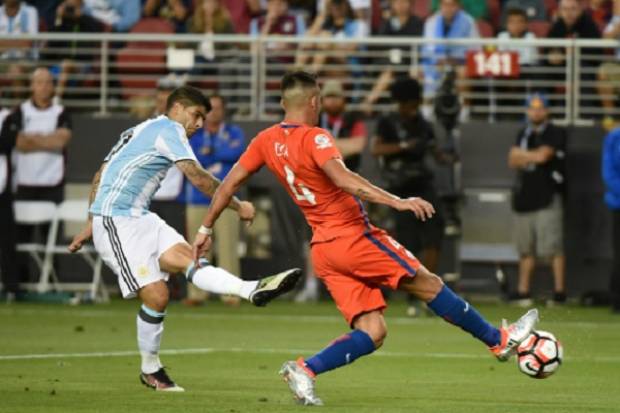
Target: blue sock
{"type": "Point", "coordinates": [341, 351]}
{"type": "Point", "coordinates": [458, 312]}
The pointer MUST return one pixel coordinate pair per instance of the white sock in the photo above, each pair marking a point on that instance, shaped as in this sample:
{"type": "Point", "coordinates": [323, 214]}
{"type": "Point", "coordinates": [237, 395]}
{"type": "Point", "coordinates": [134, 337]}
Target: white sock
{"type": "Point", "coordinates": [219, 281]}
{"type": "Point", "coordinates": [150, 325]}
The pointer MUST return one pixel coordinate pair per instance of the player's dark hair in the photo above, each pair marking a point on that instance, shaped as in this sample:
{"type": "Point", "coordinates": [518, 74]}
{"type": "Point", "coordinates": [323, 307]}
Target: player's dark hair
{"type": "Point", "coordinates": [516, 11]}
{"type": "Point", "coordinates": [406, 90]}
{"type": "Point", "coordinates": [297, 78]}
{"type": "Point", "coordinates": [188, 96]}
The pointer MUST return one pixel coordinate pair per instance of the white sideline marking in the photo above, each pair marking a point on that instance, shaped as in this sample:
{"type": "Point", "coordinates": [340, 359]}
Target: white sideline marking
{"type": "Point", "coordinates": [208, 350]}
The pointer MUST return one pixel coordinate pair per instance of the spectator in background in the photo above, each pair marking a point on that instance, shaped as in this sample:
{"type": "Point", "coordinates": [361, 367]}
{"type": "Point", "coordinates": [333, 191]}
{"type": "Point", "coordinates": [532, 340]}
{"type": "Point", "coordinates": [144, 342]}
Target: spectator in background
{"type": "Point", "coordinates": [47, 12]}
{"type": "Point", "coordinates": [339, 24]}
{"type": "Point", "coordinates": [611, 177]}
{"type": "Point", "coordinates": [402, 22]}
{"type": "Point", "coordinates": [210, 17]}
{"type": "Point", "coordinates": [475, 8]}
{"type": "Point", "coordinates": [516, 28]}
{"type": "Point", "coordinates": [278, 21]}
{"type": "Point", "coordinates": [118, 15]}
{"type": "Point", "coordinates": [242, 12]}
{"type": "Point", "coordinates": [74, 56]}
{"type": "Point", "coordinates": [217, 146]}
{"type": "Point", "coordinates": [571, 23]}
{"type": "Point", "coordinates": [600, 11]}
{"type": "Point", "coordinates": [42, 131]}
{"type": "Point", "coordinates": [534, 9]}
{"type": "Point", "coordinates": [349, 130]}
{"type": "Point", "coordinates": [609, 72]}
{"type": "Point", "coordinates": [8, 261]}
{"type": "Point", "coordinates": [174, 11]}
{"type": "Point", "coordinates": [538, 157]}
{"type": "Point", "coordinates": [450, 22]}
{"type": "Point", "coordinates": [16, 17]}
{"type": "Point", "coordinates": [402, 142]}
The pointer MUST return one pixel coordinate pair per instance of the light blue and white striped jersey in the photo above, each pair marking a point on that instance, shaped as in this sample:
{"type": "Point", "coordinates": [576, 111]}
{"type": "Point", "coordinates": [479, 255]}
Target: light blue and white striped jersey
{"type": "Point", "coordinates": [136, 166]}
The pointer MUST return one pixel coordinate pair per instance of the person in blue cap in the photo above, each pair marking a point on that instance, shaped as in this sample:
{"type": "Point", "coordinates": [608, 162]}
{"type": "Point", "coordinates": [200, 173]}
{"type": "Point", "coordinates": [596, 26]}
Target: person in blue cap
{"type": "Point", "coordinates": [538, 157]}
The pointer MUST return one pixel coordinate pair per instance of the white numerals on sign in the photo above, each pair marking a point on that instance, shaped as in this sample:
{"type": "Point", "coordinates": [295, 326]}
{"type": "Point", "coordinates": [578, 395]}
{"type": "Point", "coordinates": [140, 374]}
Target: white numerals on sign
{"type": "Point", "coordinates": [301, 194]}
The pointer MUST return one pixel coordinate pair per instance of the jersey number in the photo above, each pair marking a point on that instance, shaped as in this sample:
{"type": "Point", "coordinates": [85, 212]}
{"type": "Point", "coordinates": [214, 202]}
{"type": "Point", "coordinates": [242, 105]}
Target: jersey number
{"type": "Point", "coordinates": [301, 194]}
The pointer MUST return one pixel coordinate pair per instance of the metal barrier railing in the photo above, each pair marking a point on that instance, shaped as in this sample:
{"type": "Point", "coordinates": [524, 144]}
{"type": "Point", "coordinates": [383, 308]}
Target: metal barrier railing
{"type": "Point", "coordinates": [108, 72]}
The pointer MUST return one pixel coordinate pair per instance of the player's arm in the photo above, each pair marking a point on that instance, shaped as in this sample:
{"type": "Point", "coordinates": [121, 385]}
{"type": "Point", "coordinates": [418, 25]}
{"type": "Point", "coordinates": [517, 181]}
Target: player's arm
{"type": "Point", "coordinates": [519, 158]}
{"type": "Point", "coordinates": [87, 232]}
{"type": "Point", "coordinates": [356, 185]}
{"type": "Point", "coordinates": [222, 197]}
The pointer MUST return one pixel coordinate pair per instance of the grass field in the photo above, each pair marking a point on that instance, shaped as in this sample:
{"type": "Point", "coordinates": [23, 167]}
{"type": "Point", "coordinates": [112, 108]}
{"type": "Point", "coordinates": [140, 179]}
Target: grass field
{"type": "Point", "coordinates": [56, 358]}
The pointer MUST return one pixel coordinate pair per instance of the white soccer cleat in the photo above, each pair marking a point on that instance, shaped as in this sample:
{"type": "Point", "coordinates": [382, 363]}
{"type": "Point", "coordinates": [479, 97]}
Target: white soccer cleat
{"type": "Point", "coordinates": [160, 381]}
{"type": "Point", "coordinates": [514, 334]}
{"type": "Point", "coordinates": [301, 382]}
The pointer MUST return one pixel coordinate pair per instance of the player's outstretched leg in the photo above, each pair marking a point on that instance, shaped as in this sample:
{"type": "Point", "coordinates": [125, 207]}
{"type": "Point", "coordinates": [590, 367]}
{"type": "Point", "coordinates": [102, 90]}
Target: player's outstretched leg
{"type": "Point", "coordinates": [369, 333]}
{"type": "Point", "coordinates": [150, 323]}
{"type": "Point", "coordinates": [444, 302]}
{"type": "Point", "coordinates": [219, 281]}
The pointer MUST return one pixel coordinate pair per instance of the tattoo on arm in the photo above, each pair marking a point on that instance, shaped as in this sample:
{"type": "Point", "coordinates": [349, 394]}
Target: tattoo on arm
{"type": "Point", "coordinates": [361, 193]}
{"type": "Point", "coordinates": [203, 180]}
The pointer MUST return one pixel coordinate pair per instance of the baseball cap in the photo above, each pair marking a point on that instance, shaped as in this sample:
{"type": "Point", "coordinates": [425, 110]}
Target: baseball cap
{"type": "Point", "coordinates": [332, 88]}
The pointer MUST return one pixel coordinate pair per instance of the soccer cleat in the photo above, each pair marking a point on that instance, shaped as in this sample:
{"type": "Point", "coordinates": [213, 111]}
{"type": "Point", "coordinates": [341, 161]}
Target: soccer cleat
{"type": "Point", "coordinates": [159, 381]}
{"type": "Point", "coordinates": [514, 334]}
{"type": "Point", "coordinates": [273, 286]}
{"type": "Point", "coordinates": [301, 382]}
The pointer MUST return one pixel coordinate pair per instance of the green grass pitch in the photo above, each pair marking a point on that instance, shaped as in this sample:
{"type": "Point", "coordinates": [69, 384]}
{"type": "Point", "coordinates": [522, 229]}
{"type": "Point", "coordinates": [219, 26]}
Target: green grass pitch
{"type": "Point", "coordinates": [56, 358]}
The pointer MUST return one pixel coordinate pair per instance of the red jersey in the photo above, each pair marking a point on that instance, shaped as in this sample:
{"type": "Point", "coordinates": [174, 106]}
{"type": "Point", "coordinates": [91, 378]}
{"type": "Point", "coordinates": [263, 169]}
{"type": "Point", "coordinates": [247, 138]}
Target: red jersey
{"type": "Point", "coordinates": [295, 154]}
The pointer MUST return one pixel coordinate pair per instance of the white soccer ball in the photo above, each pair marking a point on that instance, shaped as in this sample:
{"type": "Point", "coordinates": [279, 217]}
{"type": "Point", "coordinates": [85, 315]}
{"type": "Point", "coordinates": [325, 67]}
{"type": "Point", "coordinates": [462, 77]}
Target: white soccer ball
{"type": "Point", "coordinates": [540, 355]}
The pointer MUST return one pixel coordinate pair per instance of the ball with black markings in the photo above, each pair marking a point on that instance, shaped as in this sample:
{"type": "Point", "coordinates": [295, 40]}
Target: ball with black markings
{"type": "Point", "coordinates": [540, 355]}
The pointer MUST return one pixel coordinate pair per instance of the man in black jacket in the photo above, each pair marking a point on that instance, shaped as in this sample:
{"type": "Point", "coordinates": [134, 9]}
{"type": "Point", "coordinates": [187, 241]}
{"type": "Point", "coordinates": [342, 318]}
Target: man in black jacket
{"type": "Point", "coordinates": [538, 157]}
{"type": "Point", "coordinates": [8, 267]}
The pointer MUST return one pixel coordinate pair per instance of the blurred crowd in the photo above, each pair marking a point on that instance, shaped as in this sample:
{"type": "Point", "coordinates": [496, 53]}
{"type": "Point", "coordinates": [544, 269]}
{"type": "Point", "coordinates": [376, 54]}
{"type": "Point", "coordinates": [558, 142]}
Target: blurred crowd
{"type": "Point", "coordinates": [348, 19]}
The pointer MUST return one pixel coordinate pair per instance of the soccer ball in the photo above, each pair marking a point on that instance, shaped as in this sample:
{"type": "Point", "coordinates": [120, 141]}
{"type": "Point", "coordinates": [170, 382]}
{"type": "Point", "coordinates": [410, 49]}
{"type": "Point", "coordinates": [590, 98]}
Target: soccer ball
{"type": "Point", "coordinates": [540, 355]}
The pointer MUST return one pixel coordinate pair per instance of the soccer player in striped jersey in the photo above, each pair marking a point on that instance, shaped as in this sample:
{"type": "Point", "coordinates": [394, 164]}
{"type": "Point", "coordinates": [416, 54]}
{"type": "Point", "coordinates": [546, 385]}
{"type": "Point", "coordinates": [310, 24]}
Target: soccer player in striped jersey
{"type": "Point", "coordinates": [139, 246]}
{"type": "Point", "coordinates": [353, 258]}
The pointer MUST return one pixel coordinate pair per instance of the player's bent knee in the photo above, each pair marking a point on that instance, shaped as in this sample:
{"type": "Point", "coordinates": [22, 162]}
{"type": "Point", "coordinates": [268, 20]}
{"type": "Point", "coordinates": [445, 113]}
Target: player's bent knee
{"type": "Point", "coordinates": [155, 296]}
{"type": "Point", "coordinates": [424, 286]}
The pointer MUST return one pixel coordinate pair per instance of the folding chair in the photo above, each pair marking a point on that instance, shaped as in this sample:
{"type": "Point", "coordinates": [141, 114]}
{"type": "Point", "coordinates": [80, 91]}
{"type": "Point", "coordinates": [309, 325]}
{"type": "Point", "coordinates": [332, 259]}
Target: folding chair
{"type": "Point", "coordinates": [76, 211]}
{"type": "Point", "coordinates": [38, 213]}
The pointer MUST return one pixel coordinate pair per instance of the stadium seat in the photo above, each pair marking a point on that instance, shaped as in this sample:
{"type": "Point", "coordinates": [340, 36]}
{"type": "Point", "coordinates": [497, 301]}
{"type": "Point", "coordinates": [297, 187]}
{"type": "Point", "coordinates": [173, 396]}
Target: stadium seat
{"type": "Point", "coordinates": [422, 8]}
{"type": "Point", "coordinates": [494, 14]}
{"type": "Point", "coordinates": [550, 7]}
{"type": "Point", "coordinates": [539, 28]}
{"type": "Point", "coordinates": [32, 213]}
{"type": "Point", "coordinates": [76, 211]}
{"type": "Point", "coordinates": [484, 28]}
{"type": "Point", "coordinates": [141, 64]}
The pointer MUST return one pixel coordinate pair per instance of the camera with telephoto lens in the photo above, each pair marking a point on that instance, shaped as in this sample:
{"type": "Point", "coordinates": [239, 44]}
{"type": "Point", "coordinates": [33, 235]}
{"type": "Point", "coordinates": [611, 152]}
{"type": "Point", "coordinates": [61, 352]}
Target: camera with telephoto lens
{"type": "Point", "coordinates": [447, 105]}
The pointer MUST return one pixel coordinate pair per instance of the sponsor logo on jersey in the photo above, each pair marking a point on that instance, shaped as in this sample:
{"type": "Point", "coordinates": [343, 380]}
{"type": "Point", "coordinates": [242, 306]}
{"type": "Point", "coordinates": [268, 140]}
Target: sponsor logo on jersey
{"type": "Point", "coordinates": [322, 141]}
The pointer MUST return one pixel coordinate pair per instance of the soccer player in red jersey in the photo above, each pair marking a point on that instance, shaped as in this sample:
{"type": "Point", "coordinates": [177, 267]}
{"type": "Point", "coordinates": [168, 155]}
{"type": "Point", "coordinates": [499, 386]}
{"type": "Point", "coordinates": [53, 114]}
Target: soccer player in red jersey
{"type": "Point", "coordinates": [351, 256]}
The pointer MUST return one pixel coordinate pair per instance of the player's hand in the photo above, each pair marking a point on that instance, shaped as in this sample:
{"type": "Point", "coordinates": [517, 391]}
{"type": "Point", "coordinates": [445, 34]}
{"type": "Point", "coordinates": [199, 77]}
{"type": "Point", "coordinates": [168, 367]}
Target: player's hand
{"type": "Point", "coordinates": [79, 240]}
{"type": "Point", "coordinates": [202, 244]}
{"type": "Point", "coordinates": [246, 212]}
{"type": "Point", "coordinates": [422, 209]}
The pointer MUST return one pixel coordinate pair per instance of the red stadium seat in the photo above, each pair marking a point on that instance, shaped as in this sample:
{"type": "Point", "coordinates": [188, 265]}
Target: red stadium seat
{"type": "Point", "coordinates": [422, 8]}
{"type": "Point", "coordinates": [550, 7]}
{"type": "Point", "coordinates": [484, 28]}
{"type": "Point", "coordinates": [539, 28]}
{"type": "Point", "coordinates": [140, 64]}
{"type": "Point", "coordinates": [494, 13]}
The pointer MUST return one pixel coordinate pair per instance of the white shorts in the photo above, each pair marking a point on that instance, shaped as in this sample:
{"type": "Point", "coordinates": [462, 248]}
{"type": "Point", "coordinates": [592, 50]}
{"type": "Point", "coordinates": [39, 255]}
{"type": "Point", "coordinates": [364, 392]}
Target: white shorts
{"type": "Point", "coordinates": [131, 247]}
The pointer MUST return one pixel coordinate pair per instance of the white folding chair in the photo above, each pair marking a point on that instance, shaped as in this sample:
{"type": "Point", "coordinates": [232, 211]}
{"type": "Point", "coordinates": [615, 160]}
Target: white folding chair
{"type": "Point", "coordinates": [38, 213]}
{"type": "Point", "coordinates": [76, 211]}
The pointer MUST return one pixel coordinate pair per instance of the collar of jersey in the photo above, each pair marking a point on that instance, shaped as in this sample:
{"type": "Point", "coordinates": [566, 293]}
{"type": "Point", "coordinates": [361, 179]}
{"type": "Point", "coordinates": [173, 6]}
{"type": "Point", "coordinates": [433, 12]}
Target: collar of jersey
{"type": "Point", "coordinates": [289, 125]}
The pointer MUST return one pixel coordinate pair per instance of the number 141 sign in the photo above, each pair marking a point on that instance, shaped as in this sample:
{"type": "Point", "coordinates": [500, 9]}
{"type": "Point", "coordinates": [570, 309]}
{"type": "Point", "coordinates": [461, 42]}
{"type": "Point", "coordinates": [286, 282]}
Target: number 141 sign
{"type": "Point", "coordinates": [492, 63]}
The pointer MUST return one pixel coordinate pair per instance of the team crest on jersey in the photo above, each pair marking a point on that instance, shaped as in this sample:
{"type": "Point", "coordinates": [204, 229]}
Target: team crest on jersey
{"type": "Point", "coordinates": [143, 271]}
{"type": "Point", "coordinates": [281, 149]}
{"type": "Point", "coordinates": [322, 141]}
